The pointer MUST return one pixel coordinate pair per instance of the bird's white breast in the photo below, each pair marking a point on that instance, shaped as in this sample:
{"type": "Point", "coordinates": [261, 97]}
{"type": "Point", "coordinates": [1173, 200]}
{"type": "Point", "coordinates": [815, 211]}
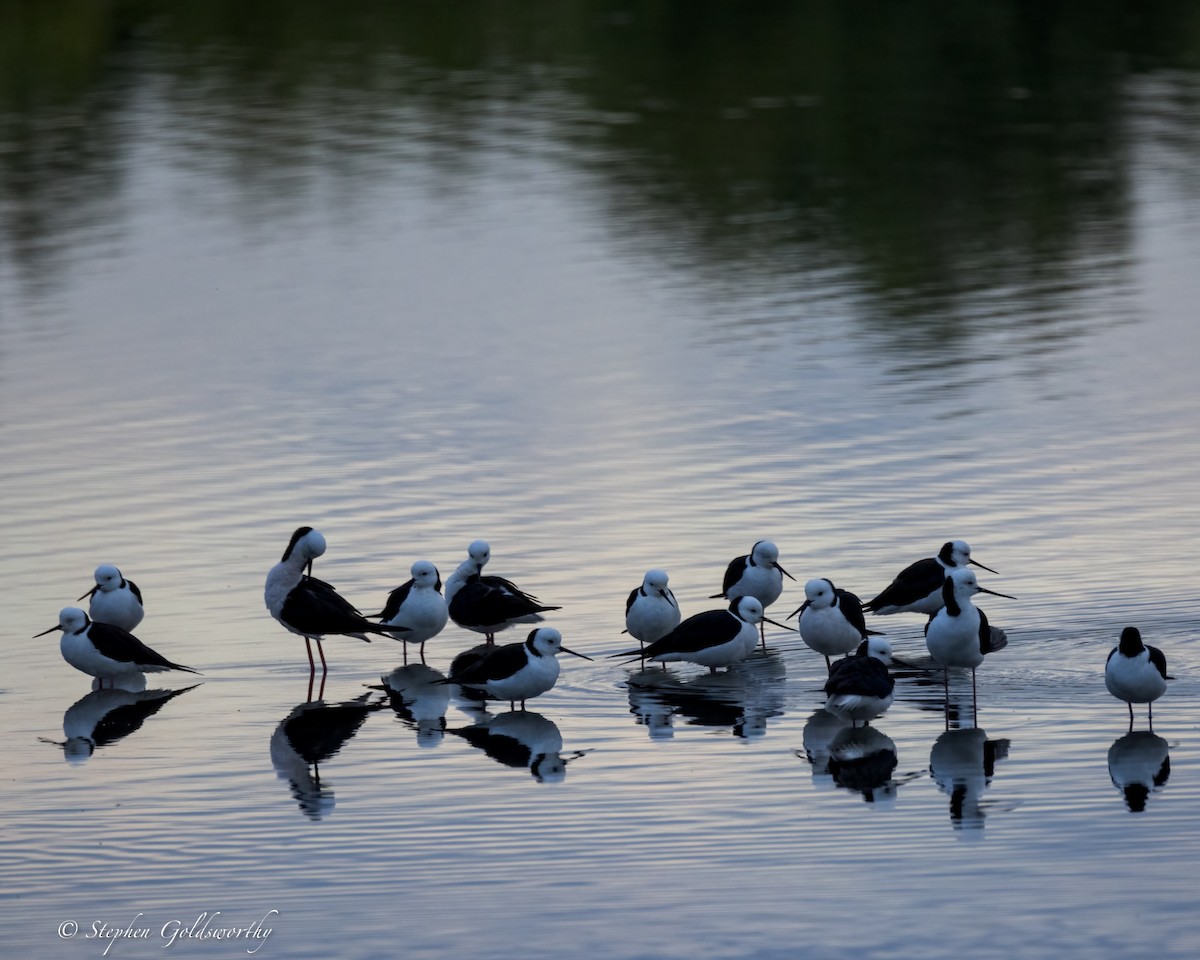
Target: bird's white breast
{"type": "Point", "coordinates": [954, 641]}
{"type": "Point", "coordinates": [1134, 679]}
{"type": "Point", "coordinates": [827, 631]}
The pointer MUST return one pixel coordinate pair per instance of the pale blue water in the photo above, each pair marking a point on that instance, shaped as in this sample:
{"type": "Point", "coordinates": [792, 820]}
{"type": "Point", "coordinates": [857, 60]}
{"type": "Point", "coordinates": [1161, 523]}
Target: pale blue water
{"type": "Point", "coordinates": [411, 345]}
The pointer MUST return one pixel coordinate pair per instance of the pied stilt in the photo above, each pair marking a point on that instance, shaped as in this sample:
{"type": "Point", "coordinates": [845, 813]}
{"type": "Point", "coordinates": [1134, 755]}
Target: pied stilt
{"type": "Point", "coordinates": [114, 599]}
{"type": "Point", "coordinates": [756, 574]}
{"type": "Point", "coordinates": [105, 651]}
{"type": "Point", "coordinates": [651, 611]}
{"type": "Point", "coordinates": [918, 587]}
{"type": "Point", "coordinates": [312, 608]}
{"type": "Point", "coordinates": [831, 620]}
{"type": "Point", "coordinates": [1136, 672]}
{"type": "Point", "coordinates": [959, 635]}
{"type": "Point", "coordinates": [517, 672]}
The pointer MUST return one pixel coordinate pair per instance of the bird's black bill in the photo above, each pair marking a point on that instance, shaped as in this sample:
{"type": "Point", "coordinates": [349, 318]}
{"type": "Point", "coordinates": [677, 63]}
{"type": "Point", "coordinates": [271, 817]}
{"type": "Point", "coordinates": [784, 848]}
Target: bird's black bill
{"type": "Point", "coordinates": [976, 563]}
{"type": "Point", "coordinates": [51, 630]}
{"type": "Point", "coordinates": [90, 593]}
{"type": "Point", "coordinates": [784, 572]}
{"type": "Point", "coordinates": [776, 623]}
{"type": "Point", "coordinates": [996, 593]}
{"type": "Point", "coordinates": [574, 654]}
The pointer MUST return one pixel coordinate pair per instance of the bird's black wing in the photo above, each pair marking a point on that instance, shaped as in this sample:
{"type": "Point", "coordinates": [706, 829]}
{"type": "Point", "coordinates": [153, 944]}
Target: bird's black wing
{"type": "Point", "coordinates": [133, 588]}
{"type": "Point", "coordinates": [733, 573]}
{"type": "Point", "coordinates": [507, 586]}
{"type": "Point", "coordinates": [395, 601]}
{"type": "Point", "coordinates": [852, 610]}
{"type": "Point", "coordinates": [1159, 660]}
{"type": "Point", "coordinates": [482, 604]}
{"type": "Point", "coordinates": [697, 632]}
{"type": "Point", "coordinates": [862, 675]}
{"type": "Point", "coordinates": [915, 581]}
{"type": "Point", "coordinates": [124, 647]}
{"type": "Point", "coordinates": [633, 595]}
{"type": "Point", "coordinates": [499, 663]}
{"type": "Point", "coordinates": [321, 610]}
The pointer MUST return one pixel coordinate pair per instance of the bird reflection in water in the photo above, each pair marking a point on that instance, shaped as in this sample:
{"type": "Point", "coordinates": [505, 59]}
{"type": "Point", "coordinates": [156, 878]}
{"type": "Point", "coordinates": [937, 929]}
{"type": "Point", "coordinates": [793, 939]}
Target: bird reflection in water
{"type": "Point", "coordinates": [1139, 763]}
{"type": "Point", "coordinates": [524, 740]}
{"type": "Point", "coordinates": [107, 715]}
{"type": "Point", "coordinates": [819, 733]}
{"type": "Point", "coordinates": [419, 698]}
{"type": "Point", "coordinates": [742, 698]}
{"type": "Point", "coordinates": [860, 759]}
{"type": "Point", "coordinates": [310, 734]}
{"type": "Point", "coordinates": [863, 760]}
{"type": "Point", "coordinates": [962, 764]}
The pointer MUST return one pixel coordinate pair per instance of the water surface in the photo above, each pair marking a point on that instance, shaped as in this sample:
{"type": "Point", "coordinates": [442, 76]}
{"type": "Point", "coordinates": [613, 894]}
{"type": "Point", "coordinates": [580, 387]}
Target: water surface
{"type": "Point", "coordinates": [612, 289]}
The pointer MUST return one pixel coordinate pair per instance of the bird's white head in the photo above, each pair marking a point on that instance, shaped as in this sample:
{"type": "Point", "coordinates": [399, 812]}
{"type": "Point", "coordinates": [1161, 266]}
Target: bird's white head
{"type": "Point", "coordinates": [966, 584]}
{"type": "Point", "coordinates": [479, 552]}
{"type": "Point", "coordinates": [306, 544]}
{"type": "Point", "coordinates": [547, 642]}
{"type": "Point", "coordinates": [655, 581]}
{"type": "Point", "coordinates": [70, 620]}
{"type": "Point", "coordinates": [765, 553]}
{"type": "Point", "coordinates": [749, 609]}
{"type": "Point", "coordinates": [108, 577]}
{"type": "Point", "coordinates": [425, 574]}
{"type": "Point", "coordinates": [877, 647]}
{"type": "Point", "coordinates": [959, 553]}
{"type": "Point", "coordinates": [820, 593]}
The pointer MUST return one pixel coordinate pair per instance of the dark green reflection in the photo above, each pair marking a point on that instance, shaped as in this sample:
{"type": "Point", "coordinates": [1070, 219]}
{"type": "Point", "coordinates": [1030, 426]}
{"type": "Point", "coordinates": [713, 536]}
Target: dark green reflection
{"type": "Point", "coordinates": [933, 153]}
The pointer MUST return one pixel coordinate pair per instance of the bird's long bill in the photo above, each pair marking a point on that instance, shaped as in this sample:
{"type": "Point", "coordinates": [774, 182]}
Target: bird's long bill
{"type": "Point", "coordinates": [574, 654]}
{"type": "Point", "coordinates": [995, 593]}
{"type": "Point", "coordinates": [779, 567]}
{"type": "Point", "coordinates": [976, 563]}
{"type": "Point", "coordinates": [90, 593]}
{"type": "Point", "coordinates": [776, 623]}
{"type": "Point", "coordinates": [57, 626]}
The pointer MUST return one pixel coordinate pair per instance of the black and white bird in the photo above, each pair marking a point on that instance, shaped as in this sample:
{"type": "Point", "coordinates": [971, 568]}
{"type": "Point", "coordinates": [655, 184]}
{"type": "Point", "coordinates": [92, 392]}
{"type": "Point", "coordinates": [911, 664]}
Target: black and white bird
{"type": "Point", "coordinates": [105, 651]}
{"type": "Point", "coordinates": [651, 611]}
{"type": "Point", "coordinates": [831, 620]}
{"type": "Point", "coordinates": [860, 688]}
{"type": "Point", "coordinates": [312, 608]}
{"type": "Point", "coordinates": [918, 587]}
{"type": "Point", "coordinates": [714, 638]}
{"type": "Point", "coordinates": [517, 672]}
{"type": "Point", "coordinates": [1136, 672]}
{"type": "Point", "coordinates": [114, 599]}
{"type": "Point", "coordinates": [959, 635]}
{"type": "Point", "coordinates": [755, 574]}
{"type": "Point", "coordinates": [488, 604]}
{"type": "Point", "coordinates": [417, 604]}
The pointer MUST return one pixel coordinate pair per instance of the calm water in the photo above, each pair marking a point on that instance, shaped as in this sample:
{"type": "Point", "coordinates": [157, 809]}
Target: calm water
{"type": "Point", "coordinates": [612, 290]}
